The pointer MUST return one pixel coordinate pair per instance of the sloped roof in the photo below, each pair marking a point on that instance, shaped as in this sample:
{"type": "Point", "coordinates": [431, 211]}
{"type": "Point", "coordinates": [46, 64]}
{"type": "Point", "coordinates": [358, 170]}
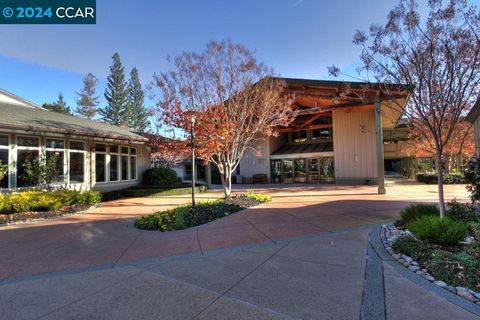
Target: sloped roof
{"type": "Point", "coordinates": [20, 114]}
{"type": "Point", "coordinates": [304, 148]}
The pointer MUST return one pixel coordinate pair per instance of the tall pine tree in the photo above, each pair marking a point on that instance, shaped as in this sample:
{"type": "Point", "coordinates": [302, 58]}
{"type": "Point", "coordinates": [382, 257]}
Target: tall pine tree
{"type": "Point", "coordinates": [59, 106]}
{"type": "Point", "coordinates": [136, 112]}
{"type": "Point", "coordinates": [87, 102]}
{"type": "Point", "coordinates": [116, 94]}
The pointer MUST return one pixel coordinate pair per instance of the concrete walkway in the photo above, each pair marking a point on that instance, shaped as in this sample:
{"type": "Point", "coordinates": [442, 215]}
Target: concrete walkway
{"type": "Point", "coordinates": [302, 256]}
{"type": "Point", "coordinates": [320, 276]}
{"type": "Point", "coordinates": [106, 236]}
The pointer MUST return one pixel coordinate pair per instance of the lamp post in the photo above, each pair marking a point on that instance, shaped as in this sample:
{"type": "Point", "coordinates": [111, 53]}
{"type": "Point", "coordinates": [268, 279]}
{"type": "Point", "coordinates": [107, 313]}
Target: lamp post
{"type": "Point", "coordinates": [192, 144]}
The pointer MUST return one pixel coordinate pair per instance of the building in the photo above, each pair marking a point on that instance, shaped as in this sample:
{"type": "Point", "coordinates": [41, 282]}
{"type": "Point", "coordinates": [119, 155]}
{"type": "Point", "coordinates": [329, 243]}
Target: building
{"type": "Point", "coordinates": [337, 137]}
{"type": "Point", "coordinates": [89, 154]}
{"type": "Point", "coordinates": [474, 118]}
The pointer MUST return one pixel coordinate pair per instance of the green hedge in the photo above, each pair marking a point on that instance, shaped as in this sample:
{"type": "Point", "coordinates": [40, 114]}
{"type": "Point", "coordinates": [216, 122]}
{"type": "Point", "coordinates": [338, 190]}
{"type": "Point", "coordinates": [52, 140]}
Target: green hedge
{"type": "Point", "coordinates": [448, 178]}
{"type": "Point", "coordinates": [436, 230]}
{"type": "Point", "coordinates": [415, 211]}
{"type": "Point", "coordinates": [27, 201]}
{"type": "Point", "coordinates": [160, 176]}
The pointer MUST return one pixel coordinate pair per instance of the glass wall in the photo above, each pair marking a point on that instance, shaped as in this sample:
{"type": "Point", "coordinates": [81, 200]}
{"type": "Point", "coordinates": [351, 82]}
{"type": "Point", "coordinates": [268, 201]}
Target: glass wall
{"type": "Point", "coordinates": [303, 170]}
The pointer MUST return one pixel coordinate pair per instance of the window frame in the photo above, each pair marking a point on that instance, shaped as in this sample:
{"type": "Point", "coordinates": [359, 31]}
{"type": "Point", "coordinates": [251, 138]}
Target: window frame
{"type": "Point", "coordinates": [84, 151]}
{"type": "Point", "coordinates": [27, 148]}
{"type": "Point", "coordinates": [107, 173]}
{"type": "Point", "coordinates": [117, 154]}
{"type": "Point", "coordinates": [7, 147]}
{"type": "Point", "coordinates": [65, 166]}
{"type": "Point", "coordinates": [130, 163]}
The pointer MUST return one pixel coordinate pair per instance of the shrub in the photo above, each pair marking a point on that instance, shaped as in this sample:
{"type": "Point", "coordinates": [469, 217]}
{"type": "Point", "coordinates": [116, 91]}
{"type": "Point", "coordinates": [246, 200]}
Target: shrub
{"type": "Point", "coordinates": [462, 212]}
{"type": "Point", "coordinates": [473, 249]}
{"type": "Point", "coordinates": [251, 195]}
{"type": "Point", "coordinates": [415, 211]}
{"type": "Point", "coordinates": [89, 198]}
{"type": "Point", "coordinates": [448, 178]}
{"type": "Point", "coordinates": [46, 201]}
{"type": "Point", "coordinates": [208, 211]}
{"type": "Point", "coordinates": [172, 219]}
{"type": "Point", "coordinates": [114, 194]}
{"type": "Point", "coordinates": [412, 247]}
{"type": "Point", "coordinates": [472, 177]}
{"type": "Point", "coordinates": [160, 176]}
{"type": "Point", "coordinates": [439, 231]}
{"type": "Point", "coordinates": [459, 269]}
{"type": "Point", "coordinates": [185, 216]}
{"type": "Point", "coordinates": [474, 229]}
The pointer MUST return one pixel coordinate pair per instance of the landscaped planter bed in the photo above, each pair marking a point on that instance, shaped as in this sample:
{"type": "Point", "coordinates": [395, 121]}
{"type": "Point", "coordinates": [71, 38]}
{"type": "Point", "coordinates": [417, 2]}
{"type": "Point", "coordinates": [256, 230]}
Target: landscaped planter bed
{"type": "Point", "coordinates": [444, 251]}
{"type": "Point", "coordinates": [32, 205]}
{"type": "Point", "coordinates": [26, 217]}
{"type": "Point", "coordinates": [186, 216]}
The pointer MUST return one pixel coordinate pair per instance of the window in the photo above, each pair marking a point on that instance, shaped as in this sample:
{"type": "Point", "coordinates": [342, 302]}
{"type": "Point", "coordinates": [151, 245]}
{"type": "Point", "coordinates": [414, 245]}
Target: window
{"type": "Point", "coordinates": [321, 134]}
{"type": "Point", "coordinates": [28, 150]}
{"type": "Point", "coordinates": [114, 163]}
{"type": "Point", "coordinates": [100, 163]}
{"type": "Point", "coordinates": [124, 163]}
{"type": "Point", "coordinates": [299, 136]}
{"type": "Point", "coordinates": [54, 151]}
{"type": "Point", "coordinates": [76, 165]}
{"type": "Point", "coordinates": [133, 164]}
{"type": "Point", "coordinates": [4, 159]}
{"type": "Point", "coordinates": [28, 142]}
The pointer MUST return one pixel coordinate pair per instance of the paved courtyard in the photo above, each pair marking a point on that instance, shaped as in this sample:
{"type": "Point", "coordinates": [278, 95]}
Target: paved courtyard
{"type": "Point", "coordinates": [302, 256]}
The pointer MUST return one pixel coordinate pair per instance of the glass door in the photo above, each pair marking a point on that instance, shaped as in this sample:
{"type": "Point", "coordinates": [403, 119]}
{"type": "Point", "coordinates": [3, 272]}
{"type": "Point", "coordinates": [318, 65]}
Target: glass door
{"type": "Point", "coordinates": [327, 172]}
{"type": "Point", "coordinates": [276, 171]}
{"type": "Point", "coordinates": [300, 174]}
{"type": "Point", "coordinates": [313, 171]}
{"type": "Point", "coordinates": [287, 171]}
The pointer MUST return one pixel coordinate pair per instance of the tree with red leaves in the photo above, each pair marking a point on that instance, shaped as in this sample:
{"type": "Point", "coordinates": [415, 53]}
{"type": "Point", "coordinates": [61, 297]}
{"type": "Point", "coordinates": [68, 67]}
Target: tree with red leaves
{"type": "Point", "coordinates": [236, 101]}
{"type": "Point", "coordinates": [440, 56]}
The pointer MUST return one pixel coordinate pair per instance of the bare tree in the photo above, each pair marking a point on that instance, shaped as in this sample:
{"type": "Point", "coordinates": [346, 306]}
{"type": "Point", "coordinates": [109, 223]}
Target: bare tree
{"type": "Point", "coordinates": [439, 55]}
{"type": "Point", "coordinates": [235, 99]}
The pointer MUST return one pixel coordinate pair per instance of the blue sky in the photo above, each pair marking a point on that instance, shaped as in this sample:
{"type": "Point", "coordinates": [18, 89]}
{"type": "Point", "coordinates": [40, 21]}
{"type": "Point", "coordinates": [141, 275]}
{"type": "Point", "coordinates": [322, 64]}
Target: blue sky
{"type": "Point", "coordinates": [297, 38]}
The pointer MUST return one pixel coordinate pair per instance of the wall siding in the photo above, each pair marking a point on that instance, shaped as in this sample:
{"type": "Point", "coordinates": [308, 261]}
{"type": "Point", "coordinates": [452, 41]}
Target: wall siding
{"type": "Point", "coordinates": [354, 137]}
{"type": "Point", "coordinates": [257, 160]}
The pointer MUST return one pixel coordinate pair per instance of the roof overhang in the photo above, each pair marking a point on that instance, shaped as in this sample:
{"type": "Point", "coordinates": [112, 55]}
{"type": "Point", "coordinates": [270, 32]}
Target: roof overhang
{"type": "Point", "coordinates": [321, 96]}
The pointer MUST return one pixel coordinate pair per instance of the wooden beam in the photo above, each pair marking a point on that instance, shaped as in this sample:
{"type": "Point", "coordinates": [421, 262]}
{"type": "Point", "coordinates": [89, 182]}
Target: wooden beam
{"type": "Point", "coordinates": [312, 127]}
{"type": "Point", "coordinates": [329, 108]}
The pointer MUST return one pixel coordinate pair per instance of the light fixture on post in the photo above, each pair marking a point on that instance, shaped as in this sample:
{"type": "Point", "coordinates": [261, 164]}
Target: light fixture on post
{"type": "Point", "coordinates": [192, 144]}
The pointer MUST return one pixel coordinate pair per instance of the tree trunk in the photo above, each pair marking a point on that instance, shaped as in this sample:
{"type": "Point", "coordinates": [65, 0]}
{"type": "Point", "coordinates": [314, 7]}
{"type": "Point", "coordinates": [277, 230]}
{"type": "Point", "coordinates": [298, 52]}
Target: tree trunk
{"type": "Point", "coordinates": [227, 184]}
{"type": "Point", "coordinates": [226, 177]}
{"type": "Point", "coordinates": [459, 162]}
{"type": "Point", "coordinates": [441, 199]}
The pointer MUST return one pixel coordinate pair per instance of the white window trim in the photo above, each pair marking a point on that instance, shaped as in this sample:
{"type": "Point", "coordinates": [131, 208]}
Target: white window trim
{"type": "Point", "coordinates": [117, 154]}
{"type": "Point", "coordinates": [106, 163]}
{"type": "Point", "coordinates": [64, 150]}
{"type": "Point", "coordinates": [84, 151]}
{"type": "Point", "coordinates": [130, 163]}
{"type": "Point", "coordinates": [17, 148]}
{"type": "Point", "coordinates": [9, 161]}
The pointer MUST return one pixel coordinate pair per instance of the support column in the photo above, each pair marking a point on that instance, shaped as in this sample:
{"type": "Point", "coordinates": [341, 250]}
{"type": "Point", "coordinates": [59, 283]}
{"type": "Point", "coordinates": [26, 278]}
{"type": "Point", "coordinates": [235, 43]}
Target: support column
{"type": "Point", "coordinates": [208, 175]}
{"type": "Point", "coordinates": [379, 144]}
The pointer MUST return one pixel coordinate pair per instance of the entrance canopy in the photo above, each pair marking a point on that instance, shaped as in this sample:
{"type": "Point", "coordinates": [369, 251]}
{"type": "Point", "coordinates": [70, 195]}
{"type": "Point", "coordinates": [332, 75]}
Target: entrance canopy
{"type": "Point", "coordinates": [314, 98]}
